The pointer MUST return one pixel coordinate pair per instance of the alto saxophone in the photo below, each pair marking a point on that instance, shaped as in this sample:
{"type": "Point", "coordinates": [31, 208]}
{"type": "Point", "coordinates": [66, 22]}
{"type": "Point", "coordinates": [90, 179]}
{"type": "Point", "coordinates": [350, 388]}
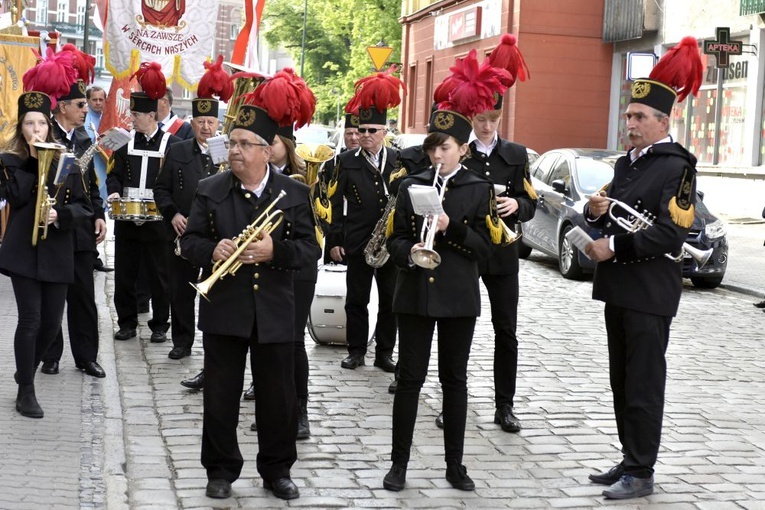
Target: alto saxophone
{"type": "Point", "coordinates": [376, 253]}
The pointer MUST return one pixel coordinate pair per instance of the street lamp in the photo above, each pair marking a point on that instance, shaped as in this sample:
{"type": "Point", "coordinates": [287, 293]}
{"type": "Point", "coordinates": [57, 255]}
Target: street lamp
{"type": "Point", "coordinates": [302, 50]}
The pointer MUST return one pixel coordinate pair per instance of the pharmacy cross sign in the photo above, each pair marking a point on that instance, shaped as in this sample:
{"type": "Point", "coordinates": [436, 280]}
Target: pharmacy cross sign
{"type": "Point", "coordinates": [722, 47]}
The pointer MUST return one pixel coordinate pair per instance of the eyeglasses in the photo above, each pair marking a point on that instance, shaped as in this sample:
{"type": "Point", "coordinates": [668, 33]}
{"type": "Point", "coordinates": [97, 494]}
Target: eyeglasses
{"type": "Point", "coordinates": [371, 131]}
{"type": "Point", "coordinates": [231, 144]}
{"type": "Point", "coordinates": [79, 104]}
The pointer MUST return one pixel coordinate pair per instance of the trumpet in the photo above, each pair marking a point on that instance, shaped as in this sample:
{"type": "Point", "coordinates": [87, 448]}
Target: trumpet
{"type": "Point", "coordinates": [43, 204]}
{"type": "Point", "coordinates": [265, 223]}
{"type": "Point", "coordinates": [425, 256]}
{"type": "Point", "coordinates": [509, 236]}
{"type": "Point", "coordinates": [643, 221]}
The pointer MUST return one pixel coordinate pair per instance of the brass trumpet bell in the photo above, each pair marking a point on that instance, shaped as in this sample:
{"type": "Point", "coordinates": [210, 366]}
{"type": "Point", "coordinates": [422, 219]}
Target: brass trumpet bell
{"type": "Point", "coordinates": [45, 153]}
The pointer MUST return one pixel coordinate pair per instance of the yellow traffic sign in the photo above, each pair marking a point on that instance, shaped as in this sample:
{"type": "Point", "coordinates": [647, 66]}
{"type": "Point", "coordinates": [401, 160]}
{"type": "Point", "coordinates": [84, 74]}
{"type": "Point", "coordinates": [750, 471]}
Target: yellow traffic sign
{"type": "Point", "coordinates": [379, 55]}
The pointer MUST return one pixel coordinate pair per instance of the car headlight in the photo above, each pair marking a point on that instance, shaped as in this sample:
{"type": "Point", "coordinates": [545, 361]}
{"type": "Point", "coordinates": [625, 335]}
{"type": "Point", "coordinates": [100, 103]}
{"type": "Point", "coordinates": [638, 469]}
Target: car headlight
{"type": "Point", "coordinates": [715, 230]}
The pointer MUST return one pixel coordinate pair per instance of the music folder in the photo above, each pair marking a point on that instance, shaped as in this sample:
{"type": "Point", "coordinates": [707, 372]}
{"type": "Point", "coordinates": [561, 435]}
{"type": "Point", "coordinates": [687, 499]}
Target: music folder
{"type": "Point", "coordinates": [217, 149]}
{"type": "Point", "coordinates": [579, 238]}
{"type": "Point", "coordinates": [67, 163]}
{"type": "Point", "coordinates": [425, 200]}
{"type": "Point", "coordinates": [114, 138]}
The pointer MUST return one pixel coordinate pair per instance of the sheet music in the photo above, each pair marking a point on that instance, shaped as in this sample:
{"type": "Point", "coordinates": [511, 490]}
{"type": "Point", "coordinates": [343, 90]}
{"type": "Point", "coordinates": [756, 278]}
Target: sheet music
{"type": "Point", "coordinates": [217, 149]}
{"type": "Point", "coordinates": [425, 200]}
{"type": "Point", "coordinates": [114, 138]}
{"type": "Point", "coordinates": [66, 164]}
{"type": "Point", "coordinates": [579, 238]}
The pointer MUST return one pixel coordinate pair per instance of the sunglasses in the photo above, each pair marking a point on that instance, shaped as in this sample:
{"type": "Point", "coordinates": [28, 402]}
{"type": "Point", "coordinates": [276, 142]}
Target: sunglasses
{"type": "Point", "coordinates": [79, 104]}
{"type": "Point", "coordinates": [371, 131]}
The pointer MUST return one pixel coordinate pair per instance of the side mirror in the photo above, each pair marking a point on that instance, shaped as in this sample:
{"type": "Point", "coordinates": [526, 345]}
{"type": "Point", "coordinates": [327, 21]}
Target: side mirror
{"type": "Point", "coordinates": [559, 186]}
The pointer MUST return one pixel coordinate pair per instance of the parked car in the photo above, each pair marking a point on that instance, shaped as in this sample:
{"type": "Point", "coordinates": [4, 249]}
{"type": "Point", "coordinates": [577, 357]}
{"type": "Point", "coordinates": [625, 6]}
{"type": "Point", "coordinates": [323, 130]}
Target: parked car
{"type": "Point", "coordinates": [314, 133]}
{"type": "Point", "coordinates": [562, 179]}
{"type": "Point", "coordinates": [405, 140]}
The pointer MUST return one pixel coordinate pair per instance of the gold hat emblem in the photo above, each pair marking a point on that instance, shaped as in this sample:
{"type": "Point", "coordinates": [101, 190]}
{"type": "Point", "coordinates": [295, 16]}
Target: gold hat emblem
{"type": "Point", "coordinates": [355, 120]}
{"type": "Point", "coordinates": [246, 117]}
{"type": "Point", "coordinates": [364, 115]}
{"type": "Point", "coordinates": [640, 89]}
{"type": "Point", "coordinates": [204, 106]}
{"type": "Point", "coordinates": [81, 86]}
{"type": "Point", "coordinates": [443, 121]}
{"type": "Point", "coordinates": [33, 100]}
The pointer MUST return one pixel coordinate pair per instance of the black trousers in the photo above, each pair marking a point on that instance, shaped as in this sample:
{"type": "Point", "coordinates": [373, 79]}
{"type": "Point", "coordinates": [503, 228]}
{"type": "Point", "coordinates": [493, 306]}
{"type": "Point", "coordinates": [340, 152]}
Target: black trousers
{"type": "Point", "coordinates": [275, 413]}
{"type": "Point", "coordinates": [81, 314]}
{"type": "Point", "coordinates": [40, 308]}
{"type": "Point", "coordinates": [503, 296]}
{"type": "Point", "coordinates": [455, 336]}
{"type": "Point", "coordinates": [182, 299]}
{"type": "Point", "coordinates": [358, 280]}
{"type": "Point", "coordinates": [304, 291]}
{"type": "Point", "coordinates": [637, 343]}
{"type": "Point", "coordinates": [127, 260]}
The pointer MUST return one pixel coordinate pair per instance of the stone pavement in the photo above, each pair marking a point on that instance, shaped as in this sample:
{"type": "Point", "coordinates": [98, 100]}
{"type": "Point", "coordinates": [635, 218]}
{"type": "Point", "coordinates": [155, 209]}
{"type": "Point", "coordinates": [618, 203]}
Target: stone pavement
{"type": "Point", "coordinates": [132, 440]}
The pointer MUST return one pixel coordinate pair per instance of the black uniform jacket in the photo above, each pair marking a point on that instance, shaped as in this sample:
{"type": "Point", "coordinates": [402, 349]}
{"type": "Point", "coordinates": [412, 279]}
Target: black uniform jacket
{"type": "Point", "coordinates": [364, 188]}
{"type": "Point", "coordinates": [125, 171]}
{"type": "Point", "coordinates": [87, 190]}
{"type": "Point", "coordinates": [451, 289]}
{"type": "Point", "coordinates": [309, 272]}
{"type": "Point", "coordinates": [256, 292]}
{"type": "Point", "coordinates": [52, 260]}
{"type": "Point", "coordinates": [413, 160]}
{"type": "Point", "coordinates": [640, 277]}
{"type": "Point", "coordinates": [178, 179]}
{"type": "Point", "coordinates": [508, 166]}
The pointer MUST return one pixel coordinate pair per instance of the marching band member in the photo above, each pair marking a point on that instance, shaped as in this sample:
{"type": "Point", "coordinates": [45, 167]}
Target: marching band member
{"type": "Point", "coordinates": [255, 307]}
{"type": "Point", "coordinates": [186, 163]}
{"type": "Point", "coordinates": [641, 286]}
{"type": "Point", "coordinates": [137, 165]}
{"type": "Point", "coordinates": [81, 312]}
{"type": "Point", "coordinates": [40, 273]}
{"type": "Point", "coordinates": [168, 121]}
{"type": "Point", "coordinates": [444, 294]}
{"type": "Point", "coordinates": [364, 179]}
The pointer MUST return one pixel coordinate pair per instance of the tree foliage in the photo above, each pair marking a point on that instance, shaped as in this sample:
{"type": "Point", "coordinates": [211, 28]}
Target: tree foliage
{"type": "Point", "coordinates": [336, 37]}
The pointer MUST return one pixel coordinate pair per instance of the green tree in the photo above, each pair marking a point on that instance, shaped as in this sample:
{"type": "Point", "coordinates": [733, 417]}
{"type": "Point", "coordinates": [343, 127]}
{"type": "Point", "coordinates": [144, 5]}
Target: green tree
{"type": "Point", "coordinates": [337, 35]}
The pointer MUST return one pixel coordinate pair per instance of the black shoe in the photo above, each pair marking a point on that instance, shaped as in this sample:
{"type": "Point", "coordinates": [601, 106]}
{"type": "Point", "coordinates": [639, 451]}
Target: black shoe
{"type": "Point", "coordinates": [144, 308]}
{"type": "Point", "coordinates": [353, 361]}
{"type": "Point", "coordinates": [505, 418]}
{"type": "Point", "coordinates": [609, 477]}
{"type": "Point", "coordinates": [395, 480]}
{"type": "Point", "coordinates": [158, 337]}
{"type": "Point", "coordinates": [26, 402]}
{"type": "Point", "coordinates": [179, 352]}
{"type": "Point", "coordinates": [440, 420]}
{"type": "Point", "coordinates": [386, 363]}
{"type": "Point", "coordinates": [99, 266]}
{"type": "Point", "coordinates": [629, 487]}
{"type": "Point", "coordinates": [49, 367]}
{"type": "Point", "coordinates": [195, 383]}
{"type": "Point", "coordinates": [304, 428]}
{"type": "Point", "coordinates": [392, 387]}
{"type": "Point", "coordinates": [124, 334]}
{"type": "Point", "coordinates": [91, 368]}
{"type": "Point", "coordinates": [761, 304]}
{"type": "Point", "coordinates": [218, 489]}
{"type": "Point", "coordinates": [250, 393]}
{"type": "Point", "coordinates": [254, 426]}
{"type": "Point", "coordinates": [456, 474]}
{"type": "Point", "coordinates": [283, 488]}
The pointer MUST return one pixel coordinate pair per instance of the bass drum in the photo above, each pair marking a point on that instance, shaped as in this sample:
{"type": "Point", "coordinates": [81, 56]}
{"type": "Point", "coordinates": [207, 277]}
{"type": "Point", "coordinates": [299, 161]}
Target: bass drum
{"type": "Point", "coordinates": [326, 320]}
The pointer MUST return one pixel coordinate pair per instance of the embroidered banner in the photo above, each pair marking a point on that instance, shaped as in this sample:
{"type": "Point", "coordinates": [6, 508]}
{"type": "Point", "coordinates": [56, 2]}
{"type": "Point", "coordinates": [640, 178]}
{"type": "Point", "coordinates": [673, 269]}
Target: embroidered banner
{"type": "Point", "coordinates": [16, 57]}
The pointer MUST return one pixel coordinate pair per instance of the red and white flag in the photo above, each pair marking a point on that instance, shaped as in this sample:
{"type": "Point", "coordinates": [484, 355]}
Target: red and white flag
{"type": "Point", "coordinates": [246, 46]}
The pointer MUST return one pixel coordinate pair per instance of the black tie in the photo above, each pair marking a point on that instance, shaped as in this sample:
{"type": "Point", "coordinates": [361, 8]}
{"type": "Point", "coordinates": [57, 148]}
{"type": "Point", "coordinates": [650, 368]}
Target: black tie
{"type": "Point", "coordinates": [160, 124]}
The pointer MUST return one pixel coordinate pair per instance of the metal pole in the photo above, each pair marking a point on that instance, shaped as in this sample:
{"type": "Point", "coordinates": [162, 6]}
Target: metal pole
{"type": "Point", "coordinates": [85, 39]}
{"type": "Point", "coordinates": [302, 52]}
{"type": "Point", "coordinates": [718, 116]}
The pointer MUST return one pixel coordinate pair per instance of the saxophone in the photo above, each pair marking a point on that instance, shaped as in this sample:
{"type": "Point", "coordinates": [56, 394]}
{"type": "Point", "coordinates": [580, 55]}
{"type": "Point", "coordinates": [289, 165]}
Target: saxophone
{"type": "Point", "coordinates": [84, 160]}
{"type": "Point", "coordinates": [375, 252]}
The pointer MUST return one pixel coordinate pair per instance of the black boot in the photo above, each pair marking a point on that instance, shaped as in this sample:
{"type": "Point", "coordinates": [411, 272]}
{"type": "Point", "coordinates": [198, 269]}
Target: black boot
{"type": "Point", "coordinates": [304, 429]}
{"type": "Point", "coordinates": [26, 402]}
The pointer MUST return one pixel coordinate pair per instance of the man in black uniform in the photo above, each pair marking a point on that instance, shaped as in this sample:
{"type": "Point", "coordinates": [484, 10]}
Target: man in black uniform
{"type": "Point", "coordinates": [137, 165]}
{"type": "Point", "coordinates": [187, 162]}
{"type": "Point", "coordinates": [82, 315]}
{"type": "Point", "coordinates": [363, 179]}
{"type": "Point", "coordinates": [253, 308]}
{"type": "Point", "coordinates": [169, 121]}
{"type": "Point", "coordinates": [640, 285]}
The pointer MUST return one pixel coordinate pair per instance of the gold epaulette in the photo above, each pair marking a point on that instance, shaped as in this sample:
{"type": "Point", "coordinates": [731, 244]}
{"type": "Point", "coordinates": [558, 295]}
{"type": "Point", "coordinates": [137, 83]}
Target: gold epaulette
{"type": "Point", "coordinates": [529, 189]}
{"type": "Point", "coordinates": [397, 175]}
{"type": "Point", "coordinates": [332, 188]}
{"type": "Point", "coordinates": [389, 223]}
{"type": "Point", "coordinates": [680, 207]}
{"type": "Point", "coordinates": [323, 211]}
{"type": "Point", "coordinates": [492, 219]}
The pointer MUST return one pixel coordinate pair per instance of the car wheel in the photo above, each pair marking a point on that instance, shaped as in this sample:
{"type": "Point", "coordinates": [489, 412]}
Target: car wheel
{"type": "Point", "coordinates": [568, 257]}
{"type": "Point", "coordinates": [706, 283]}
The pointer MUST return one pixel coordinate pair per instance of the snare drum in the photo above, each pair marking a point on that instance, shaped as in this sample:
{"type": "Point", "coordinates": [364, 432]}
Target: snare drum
{"type": "Point", "coordinates": [326, 320]}
{"type": "Point", "coordinates": [134, 209]}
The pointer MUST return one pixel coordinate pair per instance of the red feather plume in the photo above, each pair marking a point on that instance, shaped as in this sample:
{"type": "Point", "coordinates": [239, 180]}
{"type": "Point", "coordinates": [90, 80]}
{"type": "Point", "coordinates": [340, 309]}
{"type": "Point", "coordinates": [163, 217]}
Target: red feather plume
{"type": "Point", "coordinates": [151, 79]}
{"type": "Point", "coordinates": [472, 86]}
{"type": "Point", "coordinates": [84, 63]}
{"type": "Point", "coordinates": [306, 97]}
{"type": "Point", "coordinates": [681, 68]}
{"type": "Point", "coordinates": [379, 91]}
{"type": "Point", "coordinates": [54, 75]}
{"type": "Point", "coordinates": [279, 96]}
{"type": "Point", "coordinates": [215, 81]}
{"type": "Point", "coordinates": [507, 56]}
